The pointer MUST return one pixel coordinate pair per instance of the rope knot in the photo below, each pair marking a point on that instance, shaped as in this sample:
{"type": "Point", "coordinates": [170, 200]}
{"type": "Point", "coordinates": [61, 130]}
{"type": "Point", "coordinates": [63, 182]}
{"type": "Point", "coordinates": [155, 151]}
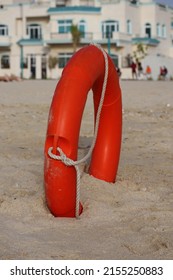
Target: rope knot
{"type": "Point", "coordinates": [61, 157]}
{"type": "Point", "coordinates": [67, 161]}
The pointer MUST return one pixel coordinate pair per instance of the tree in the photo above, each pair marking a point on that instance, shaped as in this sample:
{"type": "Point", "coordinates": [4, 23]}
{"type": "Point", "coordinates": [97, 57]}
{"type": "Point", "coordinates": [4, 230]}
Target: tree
{"type": "Point", "coordinates": [52, 62]}
{"type": "Point", "coordinates": [140, 52]}
{"type": "Point", "coordinates": [76, 36]}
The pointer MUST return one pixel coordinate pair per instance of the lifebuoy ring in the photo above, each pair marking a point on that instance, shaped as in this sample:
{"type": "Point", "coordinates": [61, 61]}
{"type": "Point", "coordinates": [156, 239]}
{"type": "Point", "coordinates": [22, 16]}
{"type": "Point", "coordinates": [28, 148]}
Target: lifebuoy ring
{"type": "Point", "coordinates": [84, 71]}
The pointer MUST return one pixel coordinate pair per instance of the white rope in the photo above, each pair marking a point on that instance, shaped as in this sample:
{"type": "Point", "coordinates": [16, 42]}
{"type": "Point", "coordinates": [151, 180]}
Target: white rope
{"type": "Point", "coordinates": [69, 162]}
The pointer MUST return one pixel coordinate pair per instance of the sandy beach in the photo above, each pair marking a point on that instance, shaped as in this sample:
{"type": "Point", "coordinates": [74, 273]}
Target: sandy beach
{"type": "Point", "coordinates": [131, 219]}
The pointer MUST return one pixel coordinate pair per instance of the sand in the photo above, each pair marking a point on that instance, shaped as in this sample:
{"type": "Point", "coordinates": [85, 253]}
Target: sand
{"type": "Point", "coordinates": [131, 219]}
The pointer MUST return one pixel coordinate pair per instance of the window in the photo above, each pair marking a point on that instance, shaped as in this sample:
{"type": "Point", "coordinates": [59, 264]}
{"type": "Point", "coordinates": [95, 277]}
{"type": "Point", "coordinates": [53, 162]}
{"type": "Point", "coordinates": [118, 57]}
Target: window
{"type": "Point", "coordinates": [63, 58]}
{"type": "Point", "coordinates": [3, 30]}
{"type": "Point", "coordinates": [82, 27]}
{"type": "Point", "coordinates": [64, 26]}
{"type": "Point", "coordinates": [5, 61]}
{"type": "Point", "coordinates": [34, 31]}
{"type": "Point", "coordinates": [115, 59]}
{"type": "Point", "coordinates": [148, 29]}
{"type": "Point", "coordinates": [108, 27]}
{"type": "Point", "coordinates": [60, 3]}
{"type": "Point", "coordinates": [24, 63]}
{"type": "Point", "coordinates": [129, 26]}
{"type": "Point", "coordinates": [134, 2]}
{"type": "Point", "coordinates": [163, 31]}
{"type": "Point", "coordinates": [158, 30]}
{"type": "Point", "coordinates": [33, 66]}
{"type": "Point", "coordinates": [33, 60]}
{"type": "Point", "coordinates": [127, 61]}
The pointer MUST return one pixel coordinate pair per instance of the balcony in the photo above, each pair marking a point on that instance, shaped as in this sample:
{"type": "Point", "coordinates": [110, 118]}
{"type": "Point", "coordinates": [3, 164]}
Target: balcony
{"type": "Point", "coordinates": [118, 38]}
{"type": "Point", "coordinates": [110, 1]}
{"type": "Point", "coordinates": [62, 3]}
{"type": "Point", "coordinates": [29, 41]}
{"type": "Point", "coordinates": [66, 38]}
{"type": "Point", "coordinates": [87, 2]}
{"type": "Point", "coordinates": [5, 41]}
{"type": "Point", "coordinates": [121, 39]}
{"type": "Point", "coordinates": [149, 41]}
{"type": "Point", "coordinates": [86, 38]}
{"type": "Point", "coordinates": [60, 36]}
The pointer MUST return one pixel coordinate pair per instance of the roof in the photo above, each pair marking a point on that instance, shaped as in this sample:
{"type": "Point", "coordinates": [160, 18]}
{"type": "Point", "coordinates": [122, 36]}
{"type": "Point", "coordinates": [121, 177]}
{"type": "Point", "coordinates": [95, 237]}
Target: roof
{"type": "Point", "coordinates": [165, 2]}
{"type": "Point", "coordinates": [85, 9]}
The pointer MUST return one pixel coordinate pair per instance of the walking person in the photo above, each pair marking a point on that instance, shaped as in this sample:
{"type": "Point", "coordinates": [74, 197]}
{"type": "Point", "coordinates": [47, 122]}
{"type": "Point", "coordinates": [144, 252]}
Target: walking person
{"type": "Point", "coordinates": [140, 70]}
{"type": "Point", "coordinates": [133, 67]}
{"type": "Point", "coordinates": [165, 72]}
{"type": "Point", "coordinates": [161, 76]}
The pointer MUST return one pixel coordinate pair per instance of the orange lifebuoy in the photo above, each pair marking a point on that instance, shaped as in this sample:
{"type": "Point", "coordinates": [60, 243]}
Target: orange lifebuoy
{"type": "Point", "coordinates": [84, 71]}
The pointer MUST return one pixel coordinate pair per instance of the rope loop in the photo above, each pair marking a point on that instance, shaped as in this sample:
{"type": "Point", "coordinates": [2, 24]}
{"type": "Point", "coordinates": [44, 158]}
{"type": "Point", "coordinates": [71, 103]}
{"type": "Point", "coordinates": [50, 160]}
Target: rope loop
{"type": "Point", "coordinates": [62, 156]}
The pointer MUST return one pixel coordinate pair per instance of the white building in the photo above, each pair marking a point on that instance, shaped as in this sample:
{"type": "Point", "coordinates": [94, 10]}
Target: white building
{"type": "Point", "coordinates": [32, 31]}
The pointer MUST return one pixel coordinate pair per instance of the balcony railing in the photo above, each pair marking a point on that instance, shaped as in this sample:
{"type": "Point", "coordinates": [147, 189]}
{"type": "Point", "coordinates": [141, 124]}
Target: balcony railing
{"type": "Point", "coordinates": [107, 35]}
{"type": "Point", "coordinates": [87, 2]}
{"type": "Point", "coordinates": [62, 3]}
{"type": "Point", "coordinates": [5, 41]}
{"type": "Point", "coordinates": [152, 41]}
{"type": "Point", "coordinates": [119, 38]}
{"type": "Point", "coordinates": [60, 36]}
{"type": "Point", "coordinates": [122, 36]}
{"type": "Point", "coordinates": [110, 1]}
{"type": "Point", "coordinates": [33, 37]}
{"type": "Point", "coordinates": [67, 37]}
{"type": "Point", "coordinates": [87, 36]}
{"type": "Point", "coordinates": [116, 35]}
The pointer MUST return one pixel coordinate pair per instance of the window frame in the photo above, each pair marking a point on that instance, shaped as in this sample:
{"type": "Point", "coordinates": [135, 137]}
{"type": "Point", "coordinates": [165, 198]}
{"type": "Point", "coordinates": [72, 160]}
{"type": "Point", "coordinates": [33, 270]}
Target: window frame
{"type": "Point", "coordinates": [158, 30]}
{"type": "Point", "coordinates": [148, 29]}
{"type": "Point", "coordinates": [108, 27]}
{"type": "Point", "coordinates": [164, 33]}
{"type": "Point", "coordinates": [129, 26]}
{"type": "Point", "coordinates": [64, 26]}
{"type": "Point", "coordinates": [34, 31]}
{"type": "Point", "coordinates": [5, 61]}
{"type": "Point", "coordinates": [3, 30]}
{"type": "Point", "coordinates": [82, 27]}
{"type": "Point", "coordinates": [24, 62]}
{"type": "Point", "coordinates": [63, 58]}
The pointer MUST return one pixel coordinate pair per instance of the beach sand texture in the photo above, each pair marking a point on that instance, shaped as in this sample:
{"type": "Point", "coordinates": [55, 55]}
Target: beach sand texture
{"type": "Point", "coordinates": [131, 219]}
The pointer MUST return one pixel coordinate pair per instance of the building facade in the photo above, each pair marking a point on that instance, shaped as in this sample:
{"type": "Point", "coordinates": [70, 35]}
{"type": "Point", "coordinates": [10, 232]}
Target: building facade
{"type": "Point", "coordinates": [36, 41]}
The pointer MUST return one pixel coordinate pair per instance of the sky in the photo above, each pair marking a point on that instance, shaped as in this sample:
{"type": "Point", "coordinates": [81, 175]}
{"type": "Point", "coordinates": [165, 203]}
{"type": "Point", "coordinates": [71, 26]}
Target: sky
{"type": "Point", "coordinates": [167, 2]}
